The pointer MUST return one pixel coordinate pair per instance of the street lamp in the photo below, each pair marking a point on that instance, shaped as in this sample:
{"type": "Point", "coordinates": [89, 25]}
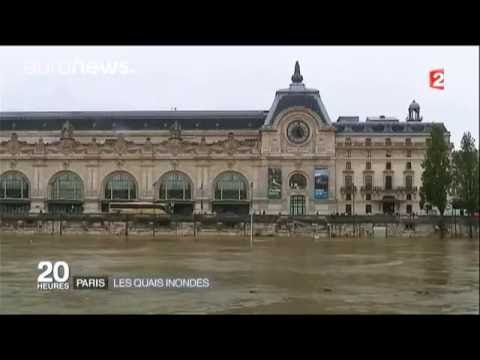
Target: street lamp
{"type": "Point", "coordinates": [353, 208]}
{"type": "Point", "coordinates": [251, 214]}
{"type": "Point", "coordinates": [353, 199]}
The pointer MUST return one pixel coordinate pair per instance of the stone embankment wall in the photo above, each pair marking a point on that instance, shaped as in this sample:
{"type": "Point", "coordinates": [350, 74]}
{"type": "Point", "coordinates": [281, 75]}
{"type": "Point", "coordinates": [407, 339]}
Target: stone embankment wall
{"type": "Point", "coordinates": [315, 226]}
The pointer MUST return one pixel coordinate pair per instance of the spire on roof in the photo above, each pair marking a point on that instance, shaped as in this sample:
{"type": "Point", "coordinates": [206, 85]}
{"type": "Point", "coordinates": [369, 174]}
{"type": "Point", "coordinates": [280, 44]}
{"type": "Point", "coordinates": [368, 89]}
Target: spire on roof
{"type": "Point", "coordinates": [297, 77]}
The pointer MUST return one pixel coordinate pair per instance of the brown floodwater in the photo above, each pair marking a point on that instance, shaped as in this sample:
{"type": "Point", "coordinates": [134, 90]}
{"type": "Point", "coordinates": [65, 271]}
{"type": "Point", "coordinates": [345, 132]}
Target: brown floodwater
{"type": "Point", "coordinates": [277, 276]}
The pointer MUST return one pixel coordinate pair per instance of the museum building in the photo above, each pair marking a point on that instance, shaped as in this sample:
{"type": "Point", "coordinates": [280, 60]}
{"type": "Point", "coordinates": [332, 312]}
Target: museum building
{"type": "Point", "coordinates": [290, 159]}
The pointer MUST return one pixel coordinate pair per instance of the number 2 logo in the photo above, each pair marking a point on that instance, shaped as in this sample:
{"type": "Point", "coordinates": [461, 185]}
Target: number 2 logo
{"type": "Point", "coordinates": [437, 79]}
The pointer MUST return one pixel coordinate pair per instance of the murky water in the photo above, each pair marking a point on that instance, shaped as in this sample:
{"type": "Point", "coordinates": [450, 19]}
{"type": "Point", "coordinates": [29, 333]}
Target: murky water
{"type": "Point", "coordinates": [277, 276]}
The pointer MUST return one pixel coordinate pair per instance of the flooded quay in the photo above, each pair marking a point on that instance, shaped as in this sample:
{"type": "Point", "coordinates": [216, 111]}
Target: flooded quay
{"type": "Point", "coordinates": [276, 276]}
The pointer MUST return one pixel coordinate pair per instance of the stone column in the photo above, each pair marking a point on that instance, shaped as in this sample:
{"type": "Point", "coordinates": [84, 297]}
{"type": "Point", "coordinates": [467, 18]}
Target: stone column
{"type": "Point", "coordinates": [202, 197]}
{"type": "Point", "coordinates": [91, 202]}
{"type": "Point", "coordinates": [147, 181]}
{"type": "Point", "coordinates": [91, 206]}
{"type": "Point", "coordinates": [207, 189]}
{"type": "Point", "coordinates": [197, 183]}
{"type": "Point", "coordinates": [257, 189]}
{"type": "Point", "coordinates": [39, 189]}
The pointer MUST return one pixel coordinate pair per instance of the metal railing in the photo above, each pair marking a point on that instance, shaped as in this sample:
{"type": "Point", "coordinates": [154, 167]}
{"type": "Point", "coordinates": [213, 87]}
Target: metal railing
{"type": "Point", "coordinates": [394, 145]}
{"type": "Point", "coordinates": [380, 189]}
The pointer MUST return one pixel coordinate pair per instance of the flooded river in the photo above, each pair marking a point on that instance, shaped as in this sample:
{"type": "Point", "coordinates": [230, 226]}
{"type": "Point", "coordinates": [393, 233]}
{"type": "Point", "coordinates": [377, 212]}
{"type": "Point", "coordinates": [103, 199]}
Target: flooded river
{"type": "Point", "coordinates": [276, 276]}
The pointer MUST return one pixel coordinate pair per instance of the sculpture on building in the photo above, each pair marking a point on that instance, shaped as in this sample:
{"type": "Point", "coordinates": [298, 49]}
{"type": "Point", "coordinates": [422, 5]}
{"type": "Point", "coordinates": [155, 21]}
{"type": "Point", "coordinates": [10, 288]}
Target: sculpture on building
{"type": "Point", "coordinates": [40, 147]}
{"type": "Point", "coordinates": [13, 144]}
{"type": "Point", "coordinates": [67, 131]}
{"type": "Point", "coordinates": [175, 130]}
{"type": "Point", "coordinates": [148, 146]}
{"type": "Point", "coordinates": [297, 78]}
{"type": "Point", "coordinates": [414, 112]}
{"type": "Point", "coordinates": [92, 147]}
{"type": "Point", "coordinates": [120, 146]}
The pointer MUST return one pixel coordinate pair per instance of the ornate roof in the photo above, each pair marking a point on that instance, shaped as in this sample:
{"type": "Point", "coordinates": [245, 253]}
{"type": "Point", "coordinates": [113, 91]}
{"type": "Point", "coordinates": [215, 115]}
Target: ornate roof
{"type": "Point", "coordinates": [386, 127]}
{"type": "Point", "coordinates": [297, 95]}
{"type": "Point", "coordinates": [133, 120]}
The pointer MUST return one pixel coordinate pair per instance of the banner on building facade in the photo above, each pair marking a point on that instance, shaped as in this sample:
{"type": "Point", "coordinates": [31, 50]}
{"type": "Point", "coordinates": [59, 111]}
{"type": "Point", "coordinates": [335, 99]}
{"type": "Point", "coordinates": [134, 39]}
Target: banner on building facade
{"type": "Point", "coordinates": [274, 183]}
{"type": "Point", "coordinates": [321, 183]}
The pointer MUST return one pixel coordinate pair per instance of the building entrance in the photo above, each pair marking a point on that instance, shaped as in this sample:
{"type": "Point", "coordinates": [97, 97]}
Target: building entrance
{"type": "Point", "coordinates": [388, 204]}
{"type": "Point", "coordinates": [297, 205]}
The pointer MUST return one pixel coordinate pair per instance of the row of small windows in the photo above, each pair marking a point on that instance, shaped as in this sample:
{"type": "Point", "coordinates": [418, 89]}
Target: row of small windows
{"type": "Point", "coordinates": [368, 197]}
{"type": "Point", "coordinates": [368, 165]}
{"type": "Point", "coordinates": [368, 209]}
{"type": "Point", "coordinates": [368, 182]}
{"type": "Point", "coordinates": [388, 154]}
{"type": "Point", "coordinates": [368, 141]}
{"type": "Point", "coordinates": [146, 124]}
{"type": "Point", "coordinates": [369, 154]}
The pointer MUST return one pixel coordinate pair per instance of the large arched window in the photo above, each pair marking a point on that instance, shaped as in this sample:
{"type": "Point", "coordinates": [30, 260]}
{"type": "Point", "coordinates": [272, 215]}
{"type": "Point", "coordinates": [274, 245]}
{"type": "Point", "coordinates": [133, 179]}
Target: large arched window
{"type": "Point", "coordinates": [14, 185]}
{"type": "Point", "coordinates": [175, 186]}
{"type": "Point", "coordinates": [65, 193]}
{"type": "Point", "coordinates": [66, 186]}
{"type": "Point", "coordinates": [14, 193]}
{"type": "Point", "coordinates": [231, 186]}
{"type": "Point", "coordinates": [297, 182]}
{"type": "Point", "coordinates": [120, 186]}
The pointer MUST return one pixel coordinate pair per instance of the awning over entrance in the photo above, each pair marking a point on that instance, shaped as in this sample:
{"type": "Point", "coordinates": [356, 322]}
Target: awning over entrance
{"type": "Point", "coordinates": [230, 202]}
{"type": "Point", "coordinates": [186, 202]}
{"type": "Point", "coordinates": [395, 201]}
{"type": "Point", "coordinates": [63, 202]}
{"type": "Point", "coordinates": [65, 206]}
{"type": "Point", "coordinates": [177, 207]}
{"type": "Point", "coordinates": [135, 207]}
{"type": "Point", "coordinates": [14, 201]}
{"type": "Point", "coordinates": [14, 206]}
{"type": "Point", "coordinates": [234, 207]}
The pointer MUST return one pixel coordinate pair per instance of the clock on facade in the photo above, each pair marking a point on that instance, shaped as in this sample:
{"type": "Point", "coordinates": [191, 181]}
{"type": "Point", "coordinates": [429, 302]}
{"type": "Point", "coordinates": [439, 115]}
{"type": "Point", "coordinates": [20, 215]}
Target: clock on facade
{"type": "Point", "coordinates": [298, 132]}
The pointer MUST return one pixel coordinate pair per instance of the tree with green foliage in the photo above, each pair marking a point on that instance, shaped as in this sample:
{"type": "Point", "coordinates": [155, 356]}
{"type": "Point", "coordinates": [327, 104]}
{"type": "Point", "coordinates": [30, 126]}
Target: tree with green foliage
{"type": "Point", "coordinates": [436, 176]}
{"type": "Point", "coordinates": [465, 186]}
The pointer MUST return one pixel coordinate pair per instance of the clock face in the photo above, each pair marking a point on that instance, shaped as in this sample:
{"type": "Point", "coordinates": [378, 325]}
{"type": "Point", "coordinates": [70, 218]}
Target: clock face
{"type": "Point", "coordinates": [298, 132]}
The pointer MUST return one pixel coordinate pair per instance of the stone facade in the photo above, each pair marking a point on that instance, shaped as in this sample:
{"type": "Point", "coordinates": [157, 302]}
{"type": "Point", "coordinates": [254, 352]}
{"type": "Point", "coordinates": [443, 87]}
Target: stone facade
{"type": "Point", "coordinates": [214, 161]}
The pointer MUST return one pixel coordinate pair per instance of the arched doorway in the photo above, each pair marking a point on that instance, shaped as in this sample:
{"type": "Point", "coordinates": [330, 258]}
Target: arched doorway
{"type": "Point", "coordinates": [14, 193]}
{"type": "Point", "coordinates": [65, 194]}
{"type": "Point", "coordinates": [175, 189]}
{"type": "Point", "coordinates": [231, 194]}
{"type": "Point", "coordinates": [119, 186]}
{"type": "Point", "coordinates": [298, 185]}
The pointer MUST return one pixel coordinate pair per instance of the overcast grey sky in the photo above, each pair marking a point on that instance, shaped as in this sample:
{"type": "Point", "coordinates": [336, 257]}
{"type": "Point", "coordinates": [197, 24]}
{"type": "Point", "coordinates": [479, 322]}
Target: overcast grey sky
{"type": "Point", "coordinates": [363, 81]}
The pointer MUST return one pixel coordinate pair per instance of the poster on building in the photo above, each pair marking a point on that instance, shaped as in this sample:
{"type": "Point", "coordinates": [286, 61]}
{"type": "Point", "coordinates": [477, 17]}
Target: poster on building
{"type": "Point", "coordinates": [274, 183]}
{"type": "Point", "coordinates": [321, 183]}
